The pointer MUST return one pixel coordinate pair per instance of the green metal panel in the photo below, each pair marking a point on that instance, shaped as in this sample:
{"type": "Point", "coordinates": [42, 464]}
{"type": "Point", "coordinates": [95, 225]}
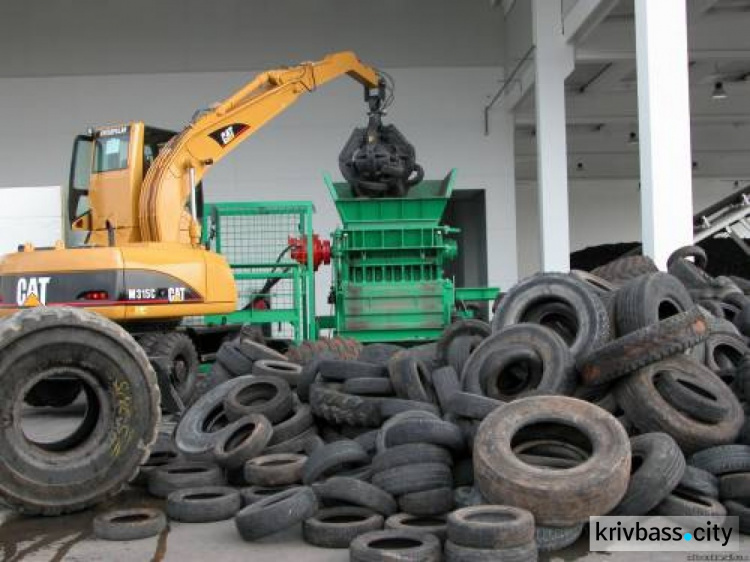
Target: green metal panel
{"type": "Point", "coordinates": [389, 259]}
{"type": "Point", "coordinates": [423, 206]}
{"type": "Point", "coordinates": [254, 238]}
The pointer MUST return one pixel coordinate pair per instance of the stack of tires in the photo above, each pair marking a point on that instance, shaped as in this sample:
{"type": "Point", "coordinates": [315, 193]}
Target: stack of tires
{"type": "Point", "coordinates": [623, 391]}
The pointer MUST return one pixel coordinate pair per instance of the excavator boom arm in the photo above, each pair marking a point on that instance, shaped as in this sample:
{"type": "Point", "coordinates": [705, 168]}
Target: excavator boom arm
{"type": "Point", "coordinates": [215, 133]}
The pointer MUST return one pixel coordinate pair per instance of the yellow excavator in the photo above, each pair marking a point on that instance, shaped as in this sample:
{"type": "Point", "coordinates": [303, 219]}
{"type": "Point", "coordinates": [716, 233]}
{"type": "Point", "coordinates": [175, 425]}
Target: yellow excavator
{"type": "Point", "coordinates": [135, 197]}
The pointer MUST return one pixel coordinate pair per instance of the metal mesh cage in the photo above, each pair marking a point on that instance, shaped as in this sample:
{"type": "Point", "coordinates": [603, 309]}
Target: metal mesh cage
{"type": "Point", "coordinates": [273, 289]}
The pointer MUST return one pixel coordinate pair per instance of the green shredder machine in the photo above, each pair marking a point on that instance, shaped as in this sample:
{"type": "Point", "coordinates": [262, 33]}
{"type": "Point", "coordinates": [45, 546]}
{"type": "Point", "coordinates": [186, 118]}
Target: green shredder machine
{"type": "Point", "coordinates": [389, 259]}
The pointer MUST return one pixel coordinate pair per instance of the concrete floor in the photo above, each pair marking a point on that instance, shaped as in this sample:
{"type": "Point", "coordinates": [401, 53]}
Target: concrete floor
{"type": "Point", "coordinates": [70, 537]}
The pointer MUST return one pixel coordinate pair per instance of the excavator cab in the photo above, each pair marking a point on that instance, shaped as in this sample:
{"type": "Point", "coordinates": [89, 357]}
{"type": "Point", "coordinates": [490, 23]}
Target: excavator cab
{"type": "Point", "coordinates": [106, 173]}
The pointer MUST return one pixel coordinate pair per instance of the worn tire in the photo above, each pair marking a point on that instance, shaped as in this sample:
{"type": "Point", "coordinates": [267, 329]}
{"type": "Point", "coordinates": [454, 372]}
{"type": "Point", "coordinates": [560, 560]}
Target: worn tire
{"type": "Point", "coordinates": [445, 382]}
{"type": "Point", "coordinates": [413, 478]}
{"type": "Point", "coordinates": [734, 486]}
{"type": "Point", "coordinates": [659, 468]}
{"type": "Point", "coordinates": [556, 498]}
{"type": "Point", "coordinates": [700, 259]}
{"type": "Point", "coordinates": [286, 371]}
{"type": "Point", "coordinates": [180, 475]}
{"type": "Point", "coordinates": [341, 348]}
{"type": "Point", "coordinates": [115, 436]}
{"type": "Point", "coordinates": [180, 352]}
{"type": "Point", "coordinates": [129, 524]}
{"type": "Point", "coordinates": [370, 386]}
{"type": "Point", "coordinates": [205, 422]}
{"type": "Point", "coordinates": [299, 422]}
{"type": "Point", "coordinates": [268, 396]}
{"type": "Point", "coordinates": [337, 527]}
{"type": "Point", "coordinates": [340, 370]}
{"type": "Point", "coordinates": [426, 524]}
{"type": "Point", "coordinates": [621, 270]}
{"type": "Point", "coordinates": [472, 406]}
{"type": "Point", "coordinates": [332, 405]}
{"type": "Point", "coordinates": [649, 411]}
{"type": "Point", "coordinates": [395, 546]}
{"type": "Point", "coordinates": [723, 459]}
{"type": "Point", "coordinates": [411, 453]}
{"type": "Point", "coordinates": [700, 482]}
{"type": "Point", "coordinates": [411, 379]}
{"type": "Point", "coordinates": [334, 458]}
{"type": "Point", "coordinates": [203, 505]}
{"type": "Point", "coordinates": [270, 471]}
{"type": "Point", "coordinates": [522, 553]}
{"type": "Point", "coordinates": [276, 513]}
{"type": "Point", "coordinates": [495, 360]}
{"type": "Point", "coordinates": [561, 303]}
{"type": "Point", "coordinates": [249, 437]}
{"type": "Point", "coordinates": [233, 360]}
{"type": "Point", "coordinates": [649, 299]}
{"type": "Point", "coordinates": [355, 492]}
{"type": "Point", "coordinates": [690, 398]}
{"type": "Point", "coordinates": [643, 347]}
{"type": "Point", "coordinates": [462, 328]}
{"type": "Point", "coordinates": [423, 430]}
{"type": "Point", "coordinates": [491, 526]}
{"type": "Point", "coordinates": [437, 501]}
{"type": "Point", "coordinates": [550, 539]}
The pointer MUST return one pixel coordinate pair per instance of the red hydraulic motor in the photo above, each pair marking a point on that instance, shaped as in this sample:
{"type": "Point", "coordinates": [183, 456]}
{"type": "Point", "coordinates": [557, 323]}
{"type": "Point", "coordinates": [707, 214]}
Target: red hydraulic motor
{"type": "Point", "coordinates": [321, 250]}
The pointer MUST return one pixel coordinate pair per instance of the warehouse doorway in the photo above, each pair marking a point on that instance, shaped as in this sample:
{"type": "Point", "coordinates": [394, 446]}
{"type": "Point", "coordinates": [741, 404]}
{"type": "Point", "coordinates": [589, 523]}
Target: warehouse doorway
{"type": "Point", "coordinates": [466, 210]}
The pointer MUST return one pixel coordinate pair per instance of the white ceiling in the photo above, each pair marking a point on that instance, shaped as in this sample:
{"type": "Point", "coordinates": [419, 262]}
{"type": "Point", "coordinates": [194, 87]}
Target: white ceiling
{"type": "Point", "coordinates": [602, 106]}
{"type": "Point", "coordinates": [63, 37]}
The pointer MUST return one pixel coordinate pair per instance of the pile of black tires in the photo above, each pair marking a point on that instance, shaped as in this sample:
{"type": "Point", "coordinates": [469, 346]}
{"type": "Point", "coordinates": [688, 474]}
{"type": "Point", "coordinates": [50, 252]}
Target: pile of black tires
{"type": "Point", "coordinates": [621, 391]}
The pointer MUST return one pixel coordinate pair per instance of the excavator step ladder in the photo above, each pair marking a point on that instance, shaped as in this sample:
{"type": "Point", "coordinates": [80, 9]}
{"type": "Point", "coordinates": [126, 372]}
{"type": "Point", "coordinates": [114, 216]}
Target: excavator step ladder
{"type": "Point", "coordinates": [728, 216]}
{"type": "Point", "coordinates": [274, 291]}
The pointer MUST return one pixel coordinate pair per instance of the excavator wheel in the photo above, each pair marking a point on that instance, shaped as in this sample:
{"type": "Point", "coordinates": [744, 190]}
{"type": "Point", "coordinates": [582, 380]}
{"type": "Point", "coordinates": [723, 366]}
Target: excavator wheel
{"type": "Point", "coordinates": [179, 350]}
{"type": "Point", "coordinates": [88, 459]}
{"type": "Point", "coordinates": [343, 348]}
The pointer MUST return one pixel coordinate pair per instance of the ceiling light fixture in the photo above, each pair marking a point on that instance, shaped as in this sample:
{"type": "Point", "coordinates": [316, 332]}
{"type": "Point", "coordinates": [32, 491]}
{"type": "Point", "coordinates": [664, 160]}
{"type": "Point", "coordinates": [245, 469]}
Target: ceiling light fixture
{"type": "Point", "coordinates": [719, 92]}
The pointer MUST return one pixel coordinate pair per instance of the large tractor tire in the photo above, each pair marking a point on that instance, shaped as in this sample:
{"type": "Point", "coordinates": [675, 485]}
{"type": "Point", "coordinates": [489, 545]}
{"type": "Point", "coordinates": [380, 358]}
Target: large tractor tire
{"type": "Point", "coordinates": [179, 351]}
{"type": "Point", "coordinates": [340, 348]}
{"type": "Point", "coordinates": [104, 449]}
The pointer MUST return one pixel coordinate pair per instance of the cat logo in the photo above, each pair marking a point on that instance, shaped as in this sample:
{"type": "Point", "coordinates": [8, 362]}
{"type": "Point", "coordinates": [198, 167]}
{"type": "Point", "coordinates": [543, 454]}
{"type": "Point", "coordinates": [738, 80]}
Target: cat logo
{"type": "Point", "coordinates": [32, 291]}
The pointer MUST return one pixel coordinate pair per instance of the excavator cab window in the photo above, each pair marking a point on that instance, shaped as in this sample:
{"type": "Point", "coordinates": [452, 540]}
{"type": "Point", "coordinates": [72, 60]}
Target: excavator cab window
{"type": "Point", "coordinates": [78, 186]}
{"type": "Point", "coordinates": [111, 148]}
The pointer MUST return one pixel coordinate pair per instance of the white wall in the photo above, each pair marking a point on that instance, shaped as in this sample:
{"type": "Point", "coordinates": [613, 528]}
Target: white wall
{"type": "Point", "coordinates": [438, 109]}
{"type": "Point", "coordinates": [601, 212]}
{"type": "Point", "coordinates": [29, 214]}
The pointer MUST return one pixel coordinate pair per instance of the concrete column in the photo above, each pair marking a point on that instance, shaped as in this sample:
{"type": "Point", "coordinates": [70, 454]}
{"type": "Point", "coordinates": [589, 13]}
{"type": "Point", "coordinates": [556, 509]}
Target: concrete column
{"type": "Point", "coordinates": [502, 257]}
{"type": "Point", "coordinates": [553, 62]}
{"type": "Point", "coordinates": [664, 127]}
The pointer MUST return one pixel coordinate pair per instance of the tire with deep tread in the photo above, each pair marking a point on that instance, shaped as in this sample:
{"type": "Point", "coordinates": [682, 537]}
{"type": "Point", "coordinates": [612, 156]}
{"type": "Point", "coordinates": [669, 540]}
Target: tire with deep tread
{"type": "Point", "coordinates": [109, 445]}
{"type": "Point", "coordinates": [643, 347]}
{"type": "Point", "coordinates": [621, 270]}
{"type": "Point", "coordinates": [341, 348]}
{"type": "Point", "coordinates": [648, 299]}
{"type": "Point", "coordinates": [329, 403]}
{"type": "Point", "coordinates": [179, 350]}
